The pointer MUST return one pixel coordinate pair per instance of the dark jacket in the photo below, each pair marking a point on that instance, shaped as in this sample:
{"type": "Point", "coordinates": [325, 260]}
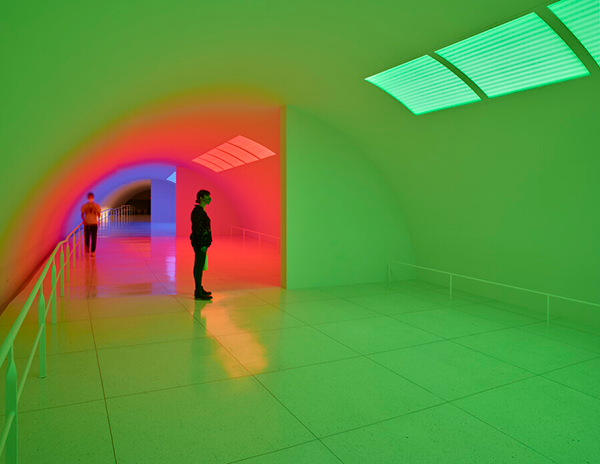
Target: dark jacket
{"type": "Point", "coordinates": [201, 235]}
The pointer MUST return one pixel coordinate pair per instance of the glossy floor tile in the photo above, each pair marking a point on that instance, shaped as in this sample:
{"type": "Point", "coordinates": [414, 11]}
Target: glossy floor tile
{"type": "Point", "coordinates": [140, 372]}
{"type": "Point", "coordinates": [434, 366]}
{"type": "Point", "coordinates": [560, 422]}
{"type": "Point", "coordinates": [274, 350]}
{"type": "Point", "coordinates": [527, 350]}
{"type": "Point", "coordinates": [443, 434]}
{"type": "Point", "coordinates": [342, 395]}
{"type": "Point", "coordinates": [210, 423]}
{"type": "Point", "coordinates": [376, 334]}
{"type": "Point", "coordinates": [313, 452]}
{"type": "Point", "coordinates": [78, 433]}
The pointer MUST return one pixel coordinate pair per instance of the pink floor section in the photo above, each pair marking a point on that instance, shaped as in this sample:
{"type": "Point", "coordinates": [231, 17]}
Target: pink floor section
{"type": "Point", "coordinates": [140, 372]}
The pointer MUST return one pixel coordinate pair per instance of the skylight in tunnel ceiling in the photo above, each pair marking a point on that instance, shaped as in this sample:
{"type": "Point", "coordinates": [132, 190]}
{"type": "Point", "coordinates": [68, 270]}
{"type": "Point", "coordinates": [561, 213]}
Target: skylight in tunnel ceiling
{"type": "Point", "coordinates": [424, 85]}
{"type": "Point", "coordinates": [173, 177]}
{"type": "Point", "coordinates": [518, 55]}
{"type": "Point", "coordinates": [582, 17]}
{"type": "Point", "coordinates": [236, 152]}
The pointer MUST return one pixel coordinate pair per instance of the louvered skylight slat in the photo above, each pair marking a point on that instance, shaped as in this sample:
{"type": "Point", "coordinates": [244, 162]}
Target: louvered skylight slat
{"type": "Point", "coordinates": [582, 17]}
{"type": "Point", "coordinates": [251, 146]}
{"type": "Point", "coordinates": [515, 56]}
{"type": "Point", "coordinates": [238, 152]}
{"type": "Point", "coordinates": [232, 154]}
{"type": "Point", "coordinates": [207, 164]}
{"type": "Point", "coordinates": [235, 162]}
{"type": "Point", "coordinates": [215, 160]}
{"type": "Point", "coordinates": [424, 85]}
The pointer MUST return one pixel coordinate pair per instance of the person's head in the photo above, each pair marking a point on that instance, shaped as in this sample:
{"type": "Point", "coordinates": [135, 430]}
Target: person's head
{"type": "Point", "coordinates": [203, 198]}
{"type": "Point", "coordinates": [90, 197]}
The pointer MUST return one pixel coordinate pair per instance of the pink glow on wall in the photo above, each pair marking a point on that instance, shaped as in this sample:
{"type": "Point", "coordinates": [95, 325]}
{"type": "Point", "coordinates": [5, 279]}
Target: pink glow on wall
{"type": "Point", "coordinates": [236, 152]}
{"type": "Point", "coordinates": [172, 133]}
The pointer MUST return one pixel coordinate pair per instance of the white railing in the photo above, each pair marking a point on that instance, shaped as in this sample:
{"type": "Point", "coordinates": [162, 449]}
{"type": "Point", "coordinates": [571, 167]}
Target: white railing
{"type": "Point", "coordinates": [260, 234]}
{"type": "Point", "coordinates": [452, 274]}
{"type": "Point", "coordinates": [117, 214]}
{"type": "Point", "coordinates": [68, 249]}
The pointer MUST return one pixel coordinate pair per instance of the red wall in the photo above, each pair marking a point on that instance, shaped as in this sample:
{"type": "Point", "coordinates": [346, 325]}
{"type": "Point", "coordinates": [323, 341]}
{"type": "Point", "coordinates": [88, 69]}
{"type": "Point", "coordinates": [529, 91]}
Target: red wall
{"type": "Point", "coordinates": [172, 133]}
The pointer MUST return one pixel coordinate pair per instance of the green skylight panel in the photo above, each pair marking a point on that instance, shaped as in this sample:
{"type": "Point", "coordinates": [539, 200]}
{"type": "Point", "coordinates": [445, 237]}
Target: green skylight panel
{"type": "Point", "coordinates": [424, 85]}
{"type": "Point", "coordinates": [518, 55]}
{"type": "Point", "coordinates": [582, 17]}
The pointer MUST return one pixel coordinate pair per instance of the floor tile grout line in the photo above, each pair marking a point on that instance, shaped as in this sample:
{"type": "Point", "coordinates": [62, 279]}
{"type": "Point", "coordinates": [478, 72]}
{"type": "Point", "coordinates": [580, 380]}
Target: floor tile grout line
{"type": "Point", "coordinates": [264, 387]}
{"type": "Point", "coordinates": [557, 340]}
{"type": "Point", "coordinates": [278, 450]}
{"type": "Point", "coordinates": [112, 439]}
{"type": "Point", "coordinates": [504, 433]}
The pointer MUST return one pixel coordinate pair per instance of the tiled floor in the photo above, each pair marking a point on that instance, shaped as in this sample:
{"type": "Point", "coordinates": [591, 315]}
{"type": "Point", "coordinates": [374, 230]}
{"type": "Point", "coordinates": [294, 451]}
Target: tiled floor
{"type": "Point", "coordinates": [139, 372]}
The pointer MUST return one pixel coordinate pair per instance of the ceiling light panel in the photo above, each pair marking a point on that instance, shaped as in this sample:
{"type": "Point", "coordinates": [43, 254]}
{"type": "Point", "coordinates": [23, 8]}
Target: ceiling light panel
{"type": "Point", "coordinates": [251, 147]}
{"type": "Point", "coordinates": [238, 152]}
{"type": "Point", "coordinates": [518, 55]}
{"type": "Point", "coordinates": [234, 153]}
{"type": "Point", "coordinates": [582, 17]}
{"type": "Point", "coordinates": [424, 85]}
{"type": "Point", "coordinates": [215, 160]}
{"type": "Point", "coordinates": [173, 177]}
{"type": "Point", "coordinates": [235, 162]}
{"type": "Point", "coordinates": [207, 164]}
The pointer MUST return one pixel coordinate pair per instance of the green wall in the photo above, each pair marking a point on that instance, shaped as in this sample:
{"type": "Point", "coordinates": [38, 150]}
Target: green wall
{"type": "Point", "coordinates": [505, 190]}
{"type": "Point", "coordinates": [343, 222]}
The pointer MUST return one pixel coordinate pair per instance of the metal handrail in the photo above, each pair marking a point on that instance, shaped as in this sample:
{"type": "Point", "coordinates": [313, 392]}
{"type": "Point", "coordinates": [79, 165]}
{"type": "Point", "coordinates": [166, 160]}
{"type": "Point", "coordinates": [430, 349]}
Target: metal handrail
{"type": "Point", "coordinates": [118, 213]}
{"type": "Point", "coordinates": [14, 390]}
{"type": "Point", "coordinates": [254, 232]}
{"type": "Point", "coordinates": [452, 274]}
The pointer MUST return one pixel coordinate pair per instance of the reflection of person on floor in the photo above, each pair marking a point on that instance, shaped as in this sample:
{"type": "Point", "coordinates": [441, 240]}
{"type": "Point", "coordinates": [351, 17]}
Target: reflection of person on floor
{"type": "Point", "coordinates": [201, 239]}
{"type": "Point", "coordinates": [90, 212]}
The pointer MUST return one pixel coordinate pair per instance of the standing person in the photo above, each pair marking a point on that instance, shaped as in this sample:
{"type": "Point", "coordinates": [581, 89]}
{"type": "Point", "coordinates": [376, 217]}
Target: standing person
{"type": "Point", "coordinates": [90, 212]}
{"type": "Point", "coordinates": [201, 239]}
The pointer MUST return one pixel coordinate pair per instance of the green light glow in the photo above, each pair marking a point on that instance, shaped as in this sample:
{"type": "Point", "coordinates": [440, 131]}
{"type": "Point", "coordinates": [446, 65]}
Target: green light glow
{"type": "Point", "coordinates": [518, 55]}
{"type": "Point", "coordinates": [582, 17]}
{"type": "Point", "coordinates": [424, 85]}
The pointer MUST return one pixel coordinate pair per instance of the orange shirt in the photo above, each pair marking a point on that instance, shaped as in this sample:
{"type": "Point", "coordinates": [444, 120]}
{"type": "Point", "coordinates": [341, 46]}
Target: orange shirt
{"type": "Point", "coordinates": [91, 211]}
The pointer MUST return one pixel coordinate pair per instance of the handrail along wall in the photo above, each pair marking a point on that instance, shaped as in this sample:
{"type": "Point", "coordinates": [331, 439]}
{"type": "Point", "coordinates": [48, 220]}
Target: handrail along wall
{"type": "Point", "coordinates": [14, 389]}
{"type": "Point", "coordinates": [452, 274]}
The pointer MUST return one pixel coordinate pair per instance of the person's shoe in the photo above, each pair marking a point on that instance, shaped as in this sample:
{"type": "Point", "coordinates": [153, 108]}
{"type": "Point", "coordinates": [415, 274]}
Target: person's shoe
{"type": "Point", "coordinates": [207, 293]}
{"type": "Point", "coordinates": [93, 254]}
{"type": "Point", "coordinates": [202, 296]}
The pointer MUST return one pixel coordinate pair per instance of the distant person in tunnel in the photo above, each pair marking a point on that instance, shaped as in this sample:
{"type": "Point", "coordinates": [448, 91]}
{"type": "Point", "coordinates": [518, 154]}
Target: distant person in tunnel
{"type": "Point", "coordinates": [90, 213]}
{"type": "Point", "coordinates": [201, 239]}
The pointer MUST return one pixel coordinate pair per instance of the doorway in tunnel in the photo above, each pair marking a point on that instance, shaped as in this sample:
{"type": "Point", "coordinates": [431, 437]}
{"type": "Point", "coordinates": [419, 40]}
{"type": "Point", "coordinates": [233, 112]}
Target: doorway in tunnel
{"type": "Point", "coordinates": [233, 151]}
{"type": "Point", "coordinates": [141, 203]}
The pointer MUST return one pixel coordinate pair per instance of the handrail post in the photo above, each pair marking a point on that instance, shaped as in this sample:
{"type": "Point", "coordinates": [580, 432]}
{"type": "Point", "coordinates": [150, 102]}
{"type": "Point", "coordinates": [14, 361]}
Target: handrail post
{"type": "Point", "coordinates": [68, 261]}
{"type": "Point", "coordinates": [548, 311]}
{"type": "Point", "coordinates": [450, 286]}
{"type": "Point", "coordinates": [62, 270]}
{"type": "Point", "coordinates": [42, 325]}
{"type": "Point", "coordinates": [53, 291]}
{"type": "Point", "coordinates": [74, 250]}
{"type": "Point", "coordinates": [12, 442]}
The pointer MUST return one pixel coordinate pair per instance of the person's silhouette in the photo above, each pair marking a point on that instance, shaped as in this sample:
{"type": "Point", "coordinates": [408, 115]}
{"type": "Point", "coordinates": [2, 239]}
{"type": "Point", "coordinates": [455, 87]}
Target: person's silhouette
{"type": "Point", "coordinates": [90, 213]}
{"type": "Point", "coordinates": [201, 239]}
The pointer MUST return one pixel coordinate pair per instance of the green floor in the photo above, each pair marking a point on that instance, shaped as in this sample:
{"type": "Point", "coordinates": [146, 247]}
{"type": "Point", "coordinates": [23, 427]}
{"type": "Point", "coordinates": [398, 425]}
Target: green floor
{"type": "Point", "coordinates": [139, 372]}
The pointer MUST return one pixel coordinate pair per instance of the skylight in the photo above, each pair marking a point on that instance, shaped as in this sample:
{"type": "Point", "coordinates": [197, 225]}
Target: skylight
{"type": "Point", "coordinates": [518, 55]}
{"type": "Point", "coordinates": [236, 152]}
{"type": "Point", "coordinates": [424, 85]}
{"type": "Point", "coordinates": [582, 17]}
{"type": "Point", "coordinates": [173, 177]}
